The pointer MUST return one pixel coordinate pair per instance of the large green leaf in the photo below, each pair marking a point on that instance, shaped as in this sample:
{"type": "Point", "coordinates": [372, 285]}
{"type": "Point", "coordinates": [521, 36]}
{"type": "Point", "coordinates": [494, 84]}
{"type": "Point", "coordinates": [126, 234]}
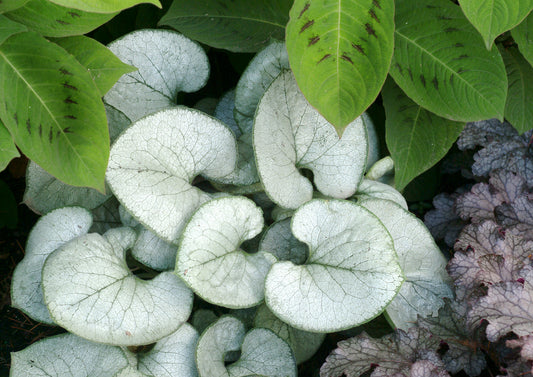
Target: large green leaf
{"type": "Point", "coordinates": [239, 25]}
{"type": "Point", "coordinates": [105, 68]}
{"type": "Point", "coordinates": [417, 139]}
{"type": "Point", "coordinates": [440, 62]}
{"type": "Point", "coordinates": [493, 17]}
{"type": "Point", "coordinates": [523, 35]}
{"type": "Point", "coordinates": [340, 52]}
{"type": "Point", "coordinates": [8, 28]}
{"type": "Point", "coordinates": [53, 110]}
{"type": "Point", "coordinates": [518, 109]}
{"type": "Point", "coordinates": [103, 6]}
{"type": "Point", "coordinates": [7, 5]}
{"type": "Point", "coordinates": [56, 21]}
{"type": "Point", "coordinates": [8, 150]}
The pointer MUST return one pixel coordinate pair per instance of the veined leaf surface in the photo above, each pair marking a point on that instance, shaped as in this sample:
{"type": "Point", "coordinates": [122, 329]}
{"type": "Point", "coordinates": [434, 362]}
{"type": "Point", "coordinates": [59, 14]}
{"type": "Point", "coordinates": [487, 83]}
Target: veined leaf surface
{"type": "Point", "coordinates": [523, 35]}
{"type": "Point", "coordinates": [340, 52]}
{"type": "Point", "coordinates": [52, 20]}
{"type": "Point", "coordinates": [493, 17]}
{"type": "Point", "coordinates": [8, 5]}
{"type": "Point", "coordinates": [8, 28]}
{"type": "Point", "coordinates": [417, 139]}
{"type": "Point", "coordinates": [238, 25]}
{"type": "Point", "coordinates": [103, 6]}
{"type": "Point", "coordinates": [440, 62]}
{"type": "Point", "coordinates": [519, 109]}
{"type": "Point", "coordinates": [56, 106]}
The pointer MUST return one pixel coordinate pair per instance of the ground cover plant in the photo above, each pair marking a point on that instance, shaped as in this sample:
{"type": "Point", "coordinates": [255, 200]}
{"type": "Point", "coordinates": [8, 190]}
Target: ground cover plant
{"type": "Point", "coordinates": [229, 237]}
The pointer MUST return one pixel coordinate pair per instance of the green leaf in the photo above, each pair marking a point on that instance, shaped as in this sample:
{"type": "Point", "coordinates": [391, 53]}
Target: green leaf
{"type": "Point", "coordinates": [303, 343]}
{"type": "Point", "coordinates": [103, 65]}
{"type": "Point", "coordinates": [289, 134]}
{"type": "Point", "coordinates": [518, 109]}
{"type": "Point", "coordinates": [210, 259]}
{"type": "Point", "coordinates": [8, 5]}
{"type": "Point", "coordinates": [351, 274]}
{"type": "Point", "coordinates": [263, 353]}
{"type": "Point", "coordinates": [493, 17]}
{"type": "Point", "coordinates": [340, 52]}
{"type": "Point", "coordinates": [103, 6]}
{"type": "Point", "coordinates": [53, 110]}
{"type": "Point", "coordinates": [154, 150]}
{"type": "Point", "coordinates": [423, 265]}
{"type": "Point", "coordinates": [238, 25]}
{"type": "Point", "coordinates": [49, 233]}
{"type": "Point", "coordinates": [90, 291]}
{"type": "Point", "coordinates": [167, 63]}
{"type": "Point", "coordinates": [53, 20]}
{"type": "Point", "coordinates": [440, 62]}
{"type": "Point", "coordinates": [8, 150]}
{"type": "Point", "coordinates": [8, 28]}
{"type": "Point", "coordinates": [417, 139]}
{"type": "Point", "coordinates": [72, 357]}
{"type": "Point", "coordinates": [523, 35]}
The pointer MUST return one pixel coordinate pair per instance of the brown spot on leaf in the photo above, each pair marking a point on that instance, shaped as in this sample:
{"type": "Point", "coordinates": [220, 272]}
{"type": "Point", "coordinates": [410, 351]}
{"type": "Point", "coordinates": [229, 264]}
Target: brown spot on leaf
{"type": "Point", "coordinates": [410, 73]}
{"type": "Point", "coordinates": [346, 58]}
{"type": "Point", "coordinates": [305, 8]}
{"type": "Point", "coordinates": [68, 86]}
{"type": "Point", "coordinates": [307, 25]}
{"type": "Point", "coordinates": [359, 48]}
{"type": "Point", "coordinates": [70, 117]}
{"type": "Point", "coordinates": [370, 30]}
{"type": "Point", "coordinates": [16, 118]}
{"type": "Point", "coordinates": [69, 100]}
{"type": "Point", "coordinates": [324, 58]}
{"type": "Point", "coordinates": [28, 126]}
{"type": "Point", "coordinates": [74, 14]}
{"type": "Point", "coordinates": [313, 40]}
{"type": "Point", "coordinates": [373, 15]}
{"type": "Point", "coordinates": [435, 83]}
{"type": "Point", "coordinates": [423, 80]}
{"type": "Point", "coordinates": [399, 68]}
{"type": "Point", "coordinates": [40, 130]}
{"type": "Point", "coordinates": [62, 22]}
{"type": "Point", "coordinates": [450, 30]}
{"type": "Point", "coordinates": [50, 135]}
{"type": "Point", "coordinates": [67, 130]}
{"type": "Point", "coordinates": [376, 4]}
{"type": "Point", "coordinates": [65, 71]}
{"type": "Point", "coordinates": [462, 70]}
{"type": "Point", "coordinates": [459, 45]}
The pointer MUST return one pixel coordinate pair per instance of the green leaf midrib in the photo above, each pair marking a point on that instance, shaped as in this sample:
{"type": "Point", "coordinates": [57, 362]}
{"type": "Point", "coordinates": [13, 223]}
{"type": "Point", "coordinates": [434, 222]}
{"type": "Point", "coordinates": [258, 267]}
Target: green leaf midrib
{"type": "Point", "coordinates": [266, 22]}
{"type": "Point", "coordinates": [43, 103]}
{"type": "Point", "coordinates": [411, 139]}
{"type": "Point", "coordinates": [443, 64]}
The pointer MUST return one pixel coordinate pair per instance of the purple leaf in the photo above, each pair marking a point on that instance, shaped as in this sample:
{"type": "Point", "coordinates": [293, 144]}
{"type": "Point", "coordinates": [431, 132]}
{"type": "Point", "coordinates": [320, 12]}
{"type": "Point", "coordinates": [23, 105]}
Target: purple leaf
{"type": "Point", "coordinates": [392, 355]}
{"type": "Point", "coordinates": [451, 327]}
{"type": "Point", "coordinates": [507, 307]}
{"type": "Point", "coordinates": [479, 203]}
{"type": "Point", "coordinates": [443, 222]}
{"type": "Point", "coordinates": [485, 132]}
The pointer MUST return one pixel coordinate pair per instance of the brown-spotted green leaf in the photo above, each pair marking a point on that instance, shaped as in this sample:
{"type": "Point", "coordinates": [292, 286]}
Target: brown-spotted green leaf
{"type": "Point", "coordinates": [493, 17]}
{"type": "Point", "coordinates": [441, 63]}
{"type": "Point", "coordinates": [103, 65]}
{"type": "Point", "coordinates": [52, 20]}
{"type": "Point", "coordinates": [417, 139]}
{"type": "Point", "coordinates": [340, 52]}
{"type": "Point", "coordinates": [53, 110]}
